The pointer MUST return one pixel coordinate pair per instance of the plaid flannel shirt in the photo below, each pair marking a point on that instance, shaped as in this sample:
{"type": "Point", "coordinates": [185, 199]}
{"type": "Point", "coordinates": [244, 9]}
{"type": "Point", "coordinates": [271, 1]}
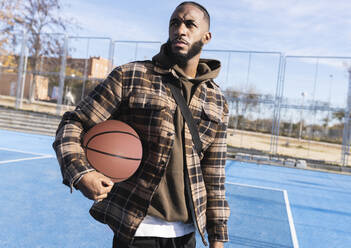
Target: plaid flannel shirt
{"type": "Point", "coordinates": [136, 94]}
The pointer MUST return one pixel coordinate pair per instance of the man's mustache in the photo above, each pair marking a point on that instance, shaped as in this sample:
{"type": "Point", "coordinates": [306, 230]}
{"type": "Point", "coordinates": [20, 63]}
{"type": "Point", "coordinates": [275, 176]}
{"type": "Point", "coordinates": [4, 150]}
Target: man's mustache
{"type": "Point", "coordinates": [179, 40]}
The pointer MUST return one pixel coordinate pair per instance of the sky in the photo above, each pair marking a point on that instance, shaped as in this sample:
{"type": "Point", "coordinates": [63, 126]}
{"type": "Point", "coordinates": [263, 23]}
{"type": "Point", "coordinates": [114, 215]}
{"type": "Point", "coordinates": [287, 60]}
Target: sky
{"type": "Point", "coordinates": [313, 27]}
{"type": "Point", "coordinates": [291, 27]}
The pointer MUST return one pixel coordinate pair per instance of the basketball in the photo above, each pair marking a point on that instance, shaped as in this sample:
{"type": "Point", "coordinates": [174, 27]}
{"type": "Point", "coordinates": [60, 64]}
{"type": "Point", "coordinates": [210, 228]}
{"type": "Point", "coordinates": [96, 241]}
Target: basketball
{"type": "Point", "coordinates": [114, 149]}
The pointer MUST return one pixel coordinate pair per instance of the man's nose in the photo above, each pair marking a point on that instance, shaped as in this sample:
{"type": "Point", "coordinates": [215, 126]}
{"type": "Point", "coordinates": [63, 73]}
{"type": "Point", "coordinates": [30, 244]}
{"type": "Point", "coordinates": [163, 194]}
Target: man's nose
{"type": "Point", "coordinates": [181, 30]}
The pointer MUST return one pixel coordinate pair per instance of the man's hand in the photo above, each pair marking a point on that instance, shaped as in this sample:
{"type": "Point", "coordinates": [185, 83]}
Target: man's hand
{"type": "Point", "coordinates": [95, 186]}
{"type": "Point", "coordinates": [216, 245]}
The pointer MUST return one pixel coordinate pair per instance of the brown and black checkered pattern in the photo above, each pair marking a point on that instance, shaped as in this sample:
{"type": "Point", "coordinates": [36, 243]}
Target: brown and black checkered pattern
{"type": "Point", "coordinates": [134, 93]}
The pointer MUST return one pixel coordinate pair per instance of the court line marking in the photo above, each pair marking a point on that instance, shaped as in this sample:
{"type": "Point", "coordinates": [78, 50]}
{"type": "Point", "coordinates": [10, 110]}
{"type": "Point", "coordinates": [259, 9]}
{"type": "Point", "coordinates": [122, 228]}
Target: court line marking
{"type": "Point", "coordinates": [20, 151]}
{"type": "Point", "coordinates": [25, 159]}
{"type": "Point", "coordinates": [287, 205]}
{"type": "Point", "coordinates": [291, 220]}
{"type": "Point", "coordinates": [254, 186]}
{"type": "Point", "coordinates": [37, 155]}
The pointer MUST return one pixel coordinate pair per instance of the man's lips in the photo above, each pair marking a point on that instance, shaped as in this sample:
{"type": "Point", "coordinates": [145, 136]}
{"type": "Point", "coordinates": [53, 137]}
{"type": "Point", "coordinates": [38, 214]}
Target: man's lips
{"type": "Point", "coordinates": [179, 43]}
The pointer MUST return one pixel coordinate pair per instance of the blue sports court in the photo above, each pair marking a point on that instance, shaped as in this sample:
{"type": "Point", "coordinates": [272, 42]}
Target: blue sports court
{"type": "Point", "coordinates": [270, 206]}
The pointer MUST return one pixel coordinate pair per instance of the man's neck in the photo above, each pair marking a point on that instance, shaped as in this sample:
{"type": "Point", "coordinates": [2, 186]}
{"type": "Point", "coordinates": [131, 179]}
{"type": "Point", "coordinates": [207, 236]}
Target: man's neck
{"type": "Point", "coordinates": [190, 68]}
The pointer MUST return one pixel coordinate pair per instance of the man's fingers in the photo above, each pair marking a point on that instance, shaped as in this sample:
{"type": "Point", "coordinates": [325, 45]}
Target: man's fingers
{"type": "Point", "coordinates": [106, 184]}
{"type": "Point", "coordinates": [100, 197]}
{"type": "Point", "coordinates": [106, 181]}
{"type": "Point", "coordinates": [108, 189]}
{"type": "Point", "coordinates": [103, 189]}
{"type": "Point", "coordinates": [95, 185]}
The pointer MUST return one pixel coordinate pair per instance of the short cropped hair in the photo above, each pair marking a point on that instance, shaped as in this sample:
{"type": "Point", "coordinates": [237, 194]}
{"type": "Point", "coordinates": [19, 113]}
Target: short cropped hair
{"type": "Point", "coordinates": [200, 7]}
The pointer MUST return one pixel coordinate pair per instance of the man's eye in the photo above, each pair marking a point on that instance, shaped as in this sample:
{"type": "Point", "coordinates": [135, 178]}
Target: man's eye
{"type": "Point", "coordinates": [174, 24]}
{"type": "Point", "coordinates": [190, 24]}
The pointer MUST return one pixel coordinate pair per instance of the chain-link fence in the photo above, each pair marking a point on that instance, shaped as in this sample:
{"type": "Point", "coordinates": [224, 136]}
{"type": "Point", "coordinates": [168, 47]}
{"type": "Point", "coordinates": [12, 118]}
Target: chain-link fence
{"type": "Point", "coordinates": [12, 59]}
{"type": "Point", "coordinates": [294, 106]}
{"type": "Point", "coordinates": [313, 123]}
{"type": "Point", "coordinates": [249, 79]}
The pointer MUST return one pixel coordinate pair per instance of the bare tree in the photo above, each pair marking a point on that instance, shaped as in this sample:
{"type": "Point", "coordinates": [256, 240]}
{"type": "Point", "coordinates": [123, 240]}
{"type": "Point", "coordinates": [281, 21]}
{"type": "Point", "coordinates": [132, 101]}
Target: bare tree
{"type": "Point", "coordinates": [339, 115]}
{"type": "Point", "coordinates": [251, 98]}
{"type": "Point", "coordinates": [242, 101]}
{"type": "Point", "coordinates": [233, 97]}
{"type": "Point", "coordinates": [8, 12]}
{"type": "Point", "coordinates": [38, 18]}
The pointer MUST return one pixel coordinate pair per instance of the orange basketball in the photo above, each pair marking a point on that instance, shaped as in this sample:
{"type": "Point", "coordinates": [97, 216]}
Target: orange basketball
{"type": "Point", "coordinates": [114, 149]}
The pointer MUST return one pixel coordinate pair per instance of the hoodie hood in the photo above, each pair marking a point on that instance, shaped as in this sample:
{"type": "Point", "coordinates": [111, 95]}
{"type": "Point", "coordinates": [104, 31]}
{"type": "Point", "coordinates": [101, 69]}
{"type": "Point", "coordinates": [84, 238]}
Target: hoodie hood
{"type": "Point", "coordinates": [208, 69]}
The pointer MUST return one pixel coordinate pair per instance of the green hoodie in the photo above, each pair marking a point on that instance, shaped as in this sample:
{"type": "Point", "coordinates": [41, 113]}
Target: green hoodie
{"type": "Point", "coordinates": [170, 201]}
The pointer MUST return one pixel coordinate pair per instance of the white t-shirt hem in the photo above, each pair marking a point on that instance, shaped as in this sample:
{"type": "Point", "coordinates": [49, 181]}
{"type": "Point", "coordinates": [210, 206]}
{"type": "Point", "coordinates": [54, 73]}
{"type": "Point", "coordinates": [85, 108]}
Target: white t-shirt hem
{"type": "Point", "coordinates": [156, 227]}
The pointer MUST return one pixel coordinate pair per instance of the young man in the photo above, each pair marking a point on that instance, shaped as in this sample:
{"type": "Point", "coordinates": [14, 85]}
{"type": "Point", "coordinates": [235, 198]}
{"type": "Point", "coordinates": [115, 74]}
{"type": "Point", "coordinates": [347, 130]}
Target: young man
{"type": "Point", "coordinates": [175, 191]}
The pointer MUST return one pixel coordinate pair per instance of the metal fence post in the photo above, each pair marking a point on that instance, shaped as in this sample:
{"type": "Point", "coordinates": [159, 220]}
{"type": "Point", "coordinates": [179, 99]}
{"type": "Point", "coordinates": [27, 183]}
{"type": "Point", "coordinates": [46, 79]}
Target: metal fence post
{"type": "Point", "coordinates": [62, 76]}
{"type": "Point", "coordinates": [277, 105]}
{"type": "Point", "coordinates": [1, 65]}
{"type": "Point", "coordinates": [346, 133]}
{"type": "Point", "coordinates": [85, 76]}
{"type": "Point", "coordinates": [111, 55]}
{"type": "Point", "coordinates": [20, 70]}
{"type": "Point", "coordinates": [281, 82]}
{"type": "Point", "coordinates": [228, 68]}
{"type": "Point", "coordinates": [24, 77]}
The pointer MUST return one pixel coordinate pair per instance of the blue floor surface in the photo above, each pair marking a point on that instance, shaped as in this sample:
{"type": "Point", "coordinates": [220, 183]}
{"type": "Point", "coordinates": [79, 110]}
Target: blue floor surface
{"type": "Point", "coordinates": [320, 202]}
{"type": "Point", "coordinates": [11, 155]}
{"type": "Point", "coordinates": [263, 208]}
{"type": "Point", "coordinates": [37, 210]}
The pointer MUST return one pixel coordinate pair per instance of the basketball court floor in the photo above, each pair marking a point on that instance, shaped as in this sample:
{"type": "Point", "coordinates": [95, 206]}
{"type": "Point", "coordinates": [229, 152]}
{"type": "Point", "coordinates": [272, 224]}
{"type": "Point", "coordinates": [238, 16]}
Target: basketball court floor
{"type": "Point", "coordinates": [270, 206]}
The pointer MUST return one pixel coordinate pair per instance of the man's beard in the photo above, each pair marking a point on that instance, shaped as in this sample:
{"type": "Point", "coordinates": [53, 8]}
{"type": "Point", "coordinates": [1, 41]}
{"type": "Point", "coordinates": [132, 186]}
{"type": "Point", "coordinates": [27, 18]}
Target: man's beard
{"type": "Point", "coordinates": [182, 59]}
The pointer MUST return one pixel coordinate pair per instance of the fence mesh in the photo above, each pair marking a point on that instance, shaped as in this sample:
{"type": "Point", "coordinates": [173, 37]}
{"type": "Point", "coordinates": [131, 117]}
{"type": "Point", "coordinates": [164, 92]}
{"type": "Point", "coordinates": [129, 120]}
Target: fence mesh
{"type": "Point", "coordinates": [248, 80]}
{"type": "Point", "coordinates": [10, 57]}
{"type": "Point", "coordinates": [278, 105]}
{"type": "Point", "coordinates": [312, 120]}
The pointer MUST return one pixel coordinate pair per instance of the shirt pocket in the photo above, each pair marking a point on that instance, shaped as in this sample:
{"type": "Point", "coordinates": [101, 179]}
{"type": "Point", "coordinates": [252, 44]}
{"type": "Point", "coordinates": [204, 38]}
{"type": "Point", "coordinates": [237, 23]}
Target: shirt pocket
{"type": "Point", "coordinates": [146, 112]}
{"type": "Point", "coordinates": [210, 119]}
{"type": "Point", "coordinates": [147, 101]}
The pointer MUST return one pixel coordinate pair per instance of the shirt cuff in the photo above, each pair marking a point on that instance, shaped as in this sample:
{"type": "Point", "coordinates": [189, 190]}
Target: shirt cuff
{"type": "Point", "coordinates": [77, 178]}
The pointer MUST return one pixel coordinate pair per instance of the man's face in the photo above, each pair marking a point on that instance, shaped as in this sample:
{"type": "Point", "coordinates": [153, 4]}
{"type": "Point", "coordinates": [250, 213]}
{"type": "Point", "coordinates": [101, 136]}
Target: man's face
{"type": "Point", "coordinates": [188, 32]}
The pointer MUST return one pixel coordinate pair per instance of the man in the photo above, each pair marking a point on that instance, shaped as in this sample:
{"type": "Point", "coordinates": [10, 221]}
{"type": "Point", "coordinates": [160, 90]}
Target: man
{"type": "Point", "coordinates": [175, 191]}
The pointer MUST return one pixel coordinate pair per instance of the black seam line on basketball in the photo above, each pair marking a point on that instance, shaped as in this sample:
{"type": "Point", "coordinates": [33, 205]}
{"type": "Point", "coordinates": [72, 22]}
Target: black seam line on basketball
{"type": "Point", "coordinates": [119, 178]}
{"type": "Point", "coordinates": [112, 132]}
{"type": "Point", "coordinates": [123, 132]}
{"type": "Point", "coordinates": [110, 154]}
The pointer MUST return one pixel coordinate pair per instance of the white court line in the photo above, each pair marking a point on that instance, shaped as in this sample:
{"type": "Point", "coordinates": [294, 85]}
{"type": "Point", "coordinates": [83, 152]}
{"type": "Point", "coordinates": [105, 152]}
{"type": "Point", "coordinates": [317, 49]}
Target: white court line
{"type": "Point", "coordinates": [254, 186]}
{"type": "Point", "coordinates": [41, 155]}
{"type": "Point", "coordinates": [20, 151]}
{"type": "Point", "coordinates": [25, 159]}
{"type": "Point", "coordinates": [288, 209]}
{"type": "Point", "coordinates": [291, 221]}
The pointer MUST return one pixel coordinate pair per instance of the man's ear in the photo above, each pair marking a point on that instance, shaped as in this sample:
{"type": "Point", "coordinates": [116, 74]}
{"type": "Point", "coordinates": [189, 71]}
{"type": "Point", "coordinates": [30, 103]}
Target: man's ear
{"type": "Point", "coordinates": [207, 37]}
